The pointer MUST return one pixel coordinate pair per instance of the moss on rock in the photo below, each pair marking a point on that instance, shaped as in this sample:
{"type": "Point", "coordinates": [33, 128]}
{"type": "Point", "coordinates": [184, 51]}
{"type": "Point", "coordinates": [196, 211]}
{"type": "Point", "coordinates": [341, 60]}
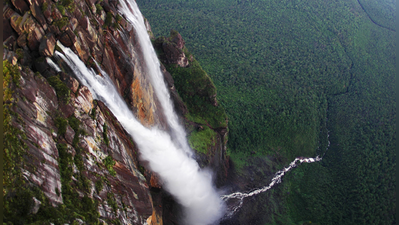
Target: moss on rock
{"type": "Point", "coordinates": [201, 140]}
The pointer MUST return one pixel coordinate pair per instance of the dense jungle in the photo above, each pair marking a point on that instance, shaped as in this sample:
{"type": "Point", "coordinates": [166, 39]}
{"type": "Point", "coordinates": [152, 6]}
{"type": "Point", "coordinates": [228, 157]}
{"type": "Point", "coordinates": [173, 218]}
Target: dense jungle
{"type": "Point", "coordinates": [289, 73]}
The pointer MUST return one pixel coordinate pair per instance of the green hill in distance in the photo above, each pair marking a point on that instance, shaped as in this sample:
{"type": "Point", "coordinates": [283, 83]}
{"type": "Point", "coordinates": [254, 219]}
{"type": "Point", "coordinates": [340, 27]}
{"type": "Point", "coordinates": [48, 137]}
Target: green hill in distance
{"type": "Point", "coordinates": [289, 71]}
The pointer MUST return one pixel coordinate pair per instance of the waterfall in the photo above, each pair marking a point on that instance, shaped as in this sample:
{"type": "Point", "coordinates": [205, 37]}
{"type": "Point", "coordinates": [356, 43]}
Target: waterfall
{"type": "Point", "coordinates": [182, 177]}
{"type": "Point", "coordinates": [151, 63]}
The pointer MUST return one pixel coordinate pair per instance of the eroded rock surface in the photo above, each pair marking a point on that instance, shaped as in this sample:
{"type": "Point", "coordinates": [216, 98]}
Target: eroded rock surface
{"type": "Point", "coordinates": [79, 161]}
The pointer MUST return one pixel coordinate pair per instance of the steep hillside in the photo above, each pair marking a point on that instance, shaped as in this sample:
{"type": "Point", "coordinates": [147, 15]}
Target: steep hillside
{"type": "Point", "coordinates": [67, 159]}
{"type": "Point", "coordinates": [206, 120]}
{"type": "Point", "coordinates": [288, 74]}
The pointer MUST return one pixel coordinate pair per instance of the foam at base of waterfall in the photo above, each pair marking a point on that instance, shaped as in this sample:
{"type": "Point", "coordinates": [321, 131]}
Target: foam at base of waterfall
{"type": "Point", "coordinates": [182, 177]}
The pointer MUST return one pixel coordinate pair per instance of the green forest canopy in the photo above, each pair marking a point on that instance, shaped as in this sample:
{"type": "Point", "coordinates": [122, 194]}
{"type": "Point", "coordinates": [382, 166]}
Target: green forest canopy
{"type": "Point", "coordinates": [281, 68]}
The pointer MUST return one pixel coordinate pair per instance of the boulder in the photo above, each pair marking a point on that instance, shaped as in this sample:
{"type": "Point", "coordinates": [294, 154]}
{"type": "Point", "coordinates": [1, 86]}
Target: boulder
{"type": "Point", "coordinates": [174, 55]}
{"type": "Point", "coordinates": [15, 21]}
{"type": "Point", "coordinates": [34, 38]}
{"type": "Point", "coordinates": [20, 5]}
{"type": "Point", "coordinates": [65, 40]}
{"type": "Point", "coordinates": [47, 45]}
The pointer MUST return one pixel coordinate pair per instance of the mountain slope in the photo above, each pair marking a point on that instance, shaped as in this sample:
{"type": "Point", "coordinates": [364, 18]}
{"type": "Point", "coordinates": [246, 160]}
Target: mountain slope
{"type": "Point", "coordinates": [67, 158]}
{"type": "Point", "coordinates": [287, 72]}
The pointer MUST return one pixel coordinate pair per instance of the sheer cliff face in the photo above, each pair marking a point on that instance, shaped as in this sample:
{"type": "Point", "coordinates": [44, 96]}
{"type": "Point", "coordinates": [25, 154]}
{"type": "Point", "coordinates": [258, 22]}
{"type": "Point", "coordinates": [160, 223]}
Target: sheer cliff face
{"type": "Point", "coordinates": [67, 159]}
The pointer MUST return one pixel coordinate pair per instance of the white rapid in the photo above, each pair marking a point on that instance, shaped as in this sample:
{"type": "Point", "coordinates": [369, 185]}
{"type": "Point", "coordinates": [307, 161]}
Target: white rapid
{"type": "Point", "coordinates": [181, 175]}
{"type": "Point", "coordinates": [132, 13]}
{"type": "Point", "coordinates": [276, 179]}
{"type": "Point", "coordinates": [233, 208]}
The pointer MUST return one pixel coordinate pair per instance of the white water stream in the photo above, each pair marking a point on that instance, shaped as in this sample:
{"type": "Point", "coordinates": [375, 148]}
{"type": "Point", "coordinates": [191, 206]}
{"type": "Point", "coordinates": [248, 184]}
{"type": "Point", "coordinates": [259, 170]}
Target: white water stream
{"type": "Point", "coordinates": [276, 179]}
{"type": "Point", "coordinates": [232, 209]}
{"type": "Point", "coordinates": [182, 177]}
{"type": "Point", "coordinates": [168, 156]}
{"type": "Point", "coordinates": [132, 13]}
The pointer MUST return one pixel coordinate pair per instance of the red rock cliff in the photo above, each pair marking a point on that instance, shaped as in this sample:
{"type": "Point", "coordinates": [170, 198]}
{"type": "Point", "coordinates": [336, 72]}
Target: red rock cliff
{"type": "Point", "coordinates": [67, 158]}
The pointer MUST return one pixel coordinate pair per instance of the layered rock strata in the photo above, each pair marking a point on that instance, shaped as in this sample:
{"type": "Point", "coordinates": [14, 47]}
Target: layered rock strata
{"type": "Point", "coordinates": [73, 160]}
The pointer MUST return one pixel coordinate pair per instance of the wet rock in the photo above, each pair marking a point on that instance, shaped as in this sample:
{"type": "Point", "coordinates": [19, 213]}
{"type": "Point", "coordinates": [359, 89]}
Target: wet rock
{"type": "Point", "coordinates": [89, 30]}
{"type": "Point", "coordinates": [106, 6]}
{"type": "Point", "coordinates": [42, 150]}
{"type": "Point", "coordinates": [47, 45]}
{"type": "Point", "coordinates": [113, 3]}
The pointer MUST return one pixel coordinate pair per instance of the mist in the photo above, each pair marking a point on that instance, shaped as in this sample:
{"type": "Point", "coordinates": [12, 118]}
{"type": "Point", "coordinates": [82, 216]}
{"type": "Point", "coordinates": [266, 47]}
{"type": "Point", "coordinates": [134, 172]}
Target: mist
{"type": "Point", "coordinates": [180, 173]}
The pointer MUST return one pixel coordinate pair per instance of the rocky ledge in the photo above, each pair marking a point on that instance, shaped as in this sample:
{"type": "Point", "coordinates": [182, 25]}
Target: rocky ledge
{"type": "Point", "coordinates": [67, 158]}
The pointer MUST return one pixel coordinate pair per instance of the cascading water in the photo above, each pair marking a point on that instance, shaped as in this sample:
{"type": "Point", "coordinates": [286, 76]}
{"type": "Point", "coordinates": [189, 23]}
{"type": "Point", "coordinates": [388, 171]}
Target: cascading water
{"type": "Point", "coordinates": [171, 158]}
{"type": "Point", "coordinates": [180, 173]}
{"type": "Point", "coordinates": [151, 63]}
{"type": "Point", "coordinates": [275, 180]}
